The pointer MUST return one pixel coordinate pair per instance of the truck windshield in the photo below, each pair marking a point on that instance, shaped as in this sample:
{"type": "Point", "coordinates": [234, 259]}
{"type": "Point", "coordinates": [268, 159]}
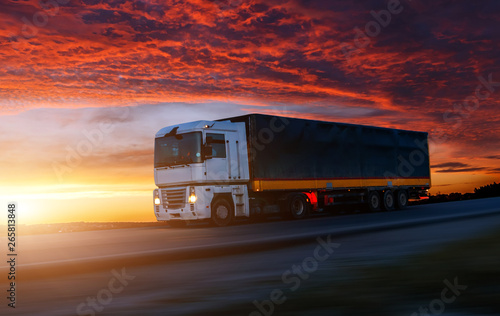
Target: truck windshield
{"type": "Point", "coordinates": [178, 149]}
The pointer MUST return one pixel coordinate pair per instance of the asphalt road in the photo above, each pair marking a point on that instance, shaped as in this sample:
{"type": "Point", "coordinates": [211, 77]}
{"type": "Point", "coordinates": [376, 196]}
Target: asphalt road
{"type": "Point", "coordinates": [190, 271]}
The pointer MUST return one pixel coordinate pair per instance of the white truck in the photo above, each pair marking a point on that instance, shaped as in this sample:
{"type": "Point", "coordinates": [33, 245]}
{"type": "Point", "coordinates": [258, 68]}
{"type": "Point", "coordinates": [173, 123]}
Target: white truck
{"type": "Point", "coordinates": [255, 164]}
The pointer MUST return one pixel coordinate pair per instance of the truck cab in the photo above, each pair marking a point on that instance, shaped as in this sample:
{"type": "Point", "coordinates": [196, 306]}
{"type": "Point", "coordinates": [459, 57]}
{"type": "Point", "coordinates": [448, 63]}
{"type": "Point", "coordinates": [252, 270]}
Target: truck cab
{"type": "Point", "coordinates": [201, 170]}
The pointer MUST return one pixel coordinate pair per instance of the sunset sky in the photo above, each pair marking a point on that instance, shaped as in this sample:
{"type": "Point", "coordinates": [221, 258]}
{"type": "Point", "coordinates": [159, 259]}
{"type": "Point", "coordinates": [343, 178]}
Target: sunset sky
{"type": "Point", "coordinates": [112, 73]}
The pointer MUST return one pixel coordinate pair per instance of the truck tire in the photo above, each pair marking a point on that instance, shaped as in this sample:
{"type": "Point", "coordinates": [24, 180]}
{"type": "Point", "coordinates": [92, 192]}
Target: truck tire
{"type": "Point", "coordinates": [222, 212]}
{"type": "Point", "coordinates": [298, 207]}
{"type": "Point", "coordinates": [374, 201]}
{"type": "Point", "coordinates": [177, 224]}
{"type": "Point", "coordinates": [389, 201]}
{"type": "Point", "coordinates": [402, 199]}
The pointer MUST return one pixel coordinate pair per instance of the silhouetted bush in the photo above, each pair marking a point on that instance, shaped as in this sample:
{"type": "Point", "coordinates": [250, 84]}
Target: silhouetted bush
{"type": "Point", "coordinates": [489, 190]}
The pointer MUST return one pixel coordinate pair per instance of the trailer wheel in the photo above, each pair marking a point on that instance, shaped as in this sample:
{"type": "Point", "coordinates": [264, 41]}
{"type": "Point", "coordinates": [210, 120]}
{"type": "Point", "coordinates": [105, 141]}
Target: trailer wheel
{"type": "Point", "coordinates": [389, 202]}
{"type": "Point", "coordinates": [374, 201]}
{"type": "Point", "coordinates": [298, 207]}
{"type": "Point", "coordinates": [177, 224]}
{"type": "Point", "coordinates": [222, 212]}
{"type": "Point", "coordinates": [402, 199]}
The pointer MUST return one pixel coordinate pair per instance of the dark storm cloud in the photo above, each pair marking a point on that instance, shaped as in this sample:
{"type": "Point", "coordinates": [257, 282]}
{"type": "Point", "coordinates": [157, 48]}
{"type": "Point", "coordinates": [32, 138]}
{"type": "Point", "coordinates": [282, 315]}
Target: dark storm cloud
{"type": "Point", "coordinates": [450, 165]}
{"type": "Point", "coordinates": [457, 167]}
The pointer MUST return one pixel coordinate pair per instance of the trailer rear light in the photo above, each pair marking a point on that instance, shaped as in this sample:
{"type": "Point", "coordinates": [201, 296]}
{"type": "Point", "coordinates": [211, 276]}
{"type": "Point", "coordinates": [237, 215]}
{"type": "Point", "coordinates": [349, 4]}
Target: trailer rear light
{"type": "Point", "coordinates": [312, 198]}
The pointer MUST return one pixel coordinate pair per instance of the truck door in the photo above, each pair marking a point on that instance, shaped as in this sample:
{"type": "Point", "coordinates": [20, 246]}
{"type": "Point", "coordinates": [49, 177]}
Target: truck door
{"type": "Point", "coordinates": [233, 156]}
{"type": "Point", "coordinates": [217, 166]}
{"type": "Point", "coordinates": [225, 163]}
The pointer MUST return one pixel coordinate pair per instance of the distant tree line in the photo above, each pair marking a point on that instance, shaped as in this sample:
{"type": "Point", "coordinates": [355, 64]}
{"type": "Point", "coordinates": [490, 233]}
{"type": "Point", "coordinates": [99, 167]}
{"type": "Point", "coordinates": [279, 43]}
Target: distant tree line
{"type": "Point", "coordinates": [490, 190]}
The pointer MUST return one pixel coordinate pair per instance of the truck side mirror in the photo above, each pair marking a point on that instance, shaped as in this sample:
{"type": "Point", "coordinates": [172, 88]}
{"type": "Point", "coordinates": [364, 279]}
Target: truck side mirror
{"type": "Point", "coordinates": [207, 151]}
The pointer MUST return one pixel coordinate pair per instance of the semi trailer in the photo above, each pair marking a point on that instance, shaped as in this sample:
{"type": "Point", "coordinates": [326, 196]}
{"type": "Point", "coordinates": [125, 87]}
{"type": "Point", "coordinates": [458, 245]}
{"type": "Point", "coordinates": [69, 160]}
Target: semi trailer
{"type": "Point", "coordinates": [252, 165]}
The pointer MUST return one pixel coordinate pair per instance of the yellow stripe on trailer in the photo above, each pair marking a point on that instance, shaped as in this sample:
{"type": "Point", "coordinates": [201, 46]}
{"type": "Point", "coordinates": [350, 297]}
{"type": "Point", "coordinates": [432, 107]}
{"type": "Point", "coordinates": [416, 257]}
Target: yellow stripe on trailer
{"type": "Point", "coordinates": [309, 184]}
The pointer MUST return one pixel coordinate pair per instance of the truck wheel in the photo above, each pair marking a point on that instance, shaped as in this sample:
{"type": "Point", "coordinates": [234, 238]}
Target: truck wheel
{"type": "Point", "coordinates": [298, 207]}
{"type": "Point", "coordinates": [177, 224]}
{"type": "Point", "coordinates": [222, 212]}
{"type": "Point", "coordinates": [389, 202]}
{"type": "Point", "coordinates": [374, 201]}
{"type": "Point", "coordinates": [402, 199]}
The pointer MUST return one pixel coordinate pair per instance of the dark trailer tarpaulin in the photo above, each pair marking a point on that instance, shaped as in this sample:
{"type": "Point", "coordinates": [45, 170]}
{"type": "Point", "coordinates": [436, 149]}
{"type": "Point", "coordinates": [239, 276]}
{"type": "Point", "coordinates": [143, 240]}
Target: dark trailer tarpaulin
{"type": "Point", "coordinates": [297, 153]}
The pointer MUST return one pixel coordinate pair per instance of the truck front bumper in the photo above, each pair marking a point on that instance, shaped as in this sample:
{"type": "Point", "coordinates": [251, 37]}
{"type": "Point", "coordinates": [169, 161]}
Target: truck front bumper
{"type": "Point", "coordinates": [177, 210]}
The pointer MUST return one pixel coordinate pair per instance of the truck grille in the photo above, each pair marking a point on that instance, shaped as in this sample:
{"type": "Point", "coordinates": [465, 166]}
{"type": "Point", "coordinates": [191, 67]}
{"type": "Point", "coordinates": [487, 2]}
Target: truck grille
{"type": "Point", "coordinates": [173, 198]}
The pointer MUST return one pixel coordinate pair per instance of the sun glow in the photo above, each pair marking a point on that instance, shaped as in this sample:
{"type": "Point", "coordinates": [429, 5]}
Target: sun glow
{"type": "Point", "coordinates": [69, 203]}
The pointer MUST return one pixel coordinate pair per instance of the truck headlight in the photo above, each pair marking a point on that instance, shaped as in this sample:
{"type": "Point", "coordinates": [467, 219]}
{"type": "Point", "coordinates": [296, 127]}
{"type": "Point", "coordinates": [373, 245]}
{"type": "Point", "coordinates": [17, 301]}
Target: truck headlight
{"type": "Point", "coordinates": [192, 198]}
{"type": "Point", "coordinates": [157, 201]}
